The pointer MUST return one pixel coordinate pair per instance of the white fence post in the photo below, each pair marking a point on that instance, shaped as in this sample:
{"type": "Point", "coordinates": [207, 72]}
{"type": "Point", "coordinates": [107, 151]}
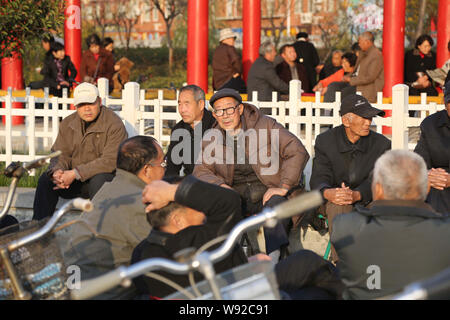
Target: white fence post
{"type": "Point", "coordinates": [399, 116]}
{"type": "Point", "coordinates": [130, 108]}
{"type": "Point", "coordinates": [103, 89]}
{"type": "Point", "coordinates": [8, 126]}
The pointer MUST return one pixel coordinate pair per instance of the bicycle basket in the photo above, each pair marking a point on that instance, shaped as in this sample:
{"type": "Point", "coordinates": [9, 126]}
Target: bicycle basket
{"type": "Point", "coordinates": [39, 265]}
{"type": "Point", "coordinates": [252, 281]}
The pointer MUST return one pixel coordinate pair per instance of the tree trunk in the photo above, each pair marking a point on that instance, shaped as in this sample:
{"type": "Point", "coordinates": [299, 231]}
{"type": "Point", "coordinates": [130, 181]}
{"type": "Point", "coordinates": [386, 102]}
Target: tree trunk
{"type": "Point", "coordinates": [169, 45]}
{"type": "Point", "coordinates": [419, 29]}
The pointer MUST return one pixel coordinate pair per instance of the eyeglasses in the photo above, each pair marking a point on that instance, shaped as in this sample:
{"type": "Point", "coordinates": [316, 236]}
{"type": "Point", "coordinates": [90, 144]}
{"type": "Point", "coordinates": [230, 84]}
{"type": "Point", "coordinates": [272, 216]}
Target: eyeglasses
{"type": "Point", "coordinates": [228, 111]}
{"type": "Point", "coordinates": [162, 164]}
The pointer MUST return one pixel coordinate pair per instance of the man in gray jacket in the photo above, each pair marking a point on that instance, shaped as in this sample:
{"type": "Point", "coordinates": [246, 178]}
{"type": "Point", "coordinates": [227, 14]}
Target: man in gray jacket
{"type": "Point", "coordinates": [104, 239]}
{"type": "Point", "coordinates": [400, 239]}
{"type": "Point", "coordinates": [262, 76]}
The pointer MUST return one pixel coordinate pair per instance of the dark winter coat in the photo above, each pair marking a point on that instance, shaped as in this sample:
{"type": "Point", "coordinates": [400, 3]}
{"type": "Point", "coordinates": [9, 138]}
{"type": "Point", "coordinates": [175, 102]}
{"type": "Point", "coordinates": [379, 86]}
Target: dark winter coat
{"type": "Point", "coordinates": [337, 160]}
{"type": "Point", "coordinates": [284, 72]}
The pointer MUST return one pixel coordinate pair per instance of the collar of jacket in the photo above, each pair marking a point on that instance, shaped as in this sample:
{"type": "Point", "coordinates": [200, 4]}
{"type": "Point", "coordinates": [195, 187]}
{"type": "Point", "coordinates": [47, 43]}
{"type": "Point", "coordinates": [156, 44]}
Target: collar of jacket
{"type": "Point", "coordinates": [399, 208]}
{"type": "Point", "coordinates": [158, 237]}
{"type": "Point", "coordinates": [207, 122]}
{"type": "Point", "coordinates": [344, 145]}
{"type": "Point", "coordinates": [417, 52]}
{"type": "Point", "coordinates": [444, 119]}
{"type": "Point", "coordinates": [102, 53]}
{"type": "Point", "coordinates": [129, 177]}
{"type": "Point", "coordinates": [98, 126]}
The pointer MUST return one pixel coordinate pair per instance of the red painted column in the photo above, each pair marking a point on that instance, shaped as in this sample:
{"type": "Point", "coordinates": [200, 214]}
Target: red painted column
{"type": "Point", "coordinates": [197, 51]}
{"type": "Point", "coordinates": [443, 32]}
{"type": "Point", "coordinates": [72, 33]}
{"type": "Point", "coordinates": [12, 76]}
{"type": "Point", "coordinates": [251, 38]}
{"type": "Point", "coordinates": [393, 47]}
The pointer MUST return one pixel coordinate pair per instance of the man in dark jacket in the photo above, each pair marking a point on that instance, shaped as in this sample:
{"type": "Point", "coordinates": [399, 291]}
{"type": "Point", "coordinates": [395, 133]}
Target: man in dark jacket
{"type": "Point", "coordinates": [88, 139]}
{"type": "Point", "coordinates": [345, 156]}
{"type": "Point", "coordinates": [434, 147]}
{"type": "Point", "coordinates": [262, 76]}
{"type": "Point", "coordinates": [308, 56]}
{"type": "Point", "coordinates": [399, 240]}
{"type": "Point", "coordinates": [59, 72]}
{"type": "Point", "coordinates": [254, 155]}
{"type": "Point", "coordinates": [227, 64]}
{"type": "Point", "coordinates": [186, 136]}
{"type": "Point", "coordinates": [191, 214]}
{"type": "Point", "coordinates": [290, 69]}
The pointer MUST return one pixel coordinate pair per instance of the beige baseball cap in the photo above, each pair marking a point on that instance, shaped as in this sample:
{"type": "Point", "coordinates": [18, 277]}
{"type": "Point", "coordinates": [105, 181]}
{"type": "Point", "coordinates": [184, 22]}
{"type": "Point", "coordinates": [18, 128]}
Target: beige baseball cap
{"type": "Point", "coordinates": [85, 93]}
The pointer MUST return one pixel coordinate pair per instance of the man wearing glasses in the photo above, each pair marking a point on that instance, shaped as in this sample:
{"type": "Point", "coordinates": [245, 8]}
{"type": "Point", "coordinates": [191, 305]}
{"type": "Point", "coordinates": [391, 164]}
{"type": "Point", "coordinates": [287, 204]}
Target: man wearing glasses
{"type": "Point", "coordinates": [253, 154]}
{"type": "Point", "coordinates": [105, 237]}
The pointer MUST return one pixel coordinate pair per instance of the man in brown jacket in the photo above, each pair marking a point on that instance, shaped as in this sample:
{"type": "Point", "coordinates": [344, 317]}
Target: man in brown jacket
{"type": "Point", "coordinates": [253, 154]}
{"type": "Point", "coordinates": [226, 63]}
{"type": "Point", "coordinates": [369, 76]}
{"type": "Point", "coordinates": [88, 139]}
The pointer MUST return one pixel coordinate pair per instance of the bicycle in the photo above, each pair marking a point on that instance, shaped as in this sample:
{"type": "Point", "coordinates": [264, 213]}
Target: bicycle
{"type": "Point", "coordinates": [259, 275]}
{"type": "Point", "coordinates": [31, 264]}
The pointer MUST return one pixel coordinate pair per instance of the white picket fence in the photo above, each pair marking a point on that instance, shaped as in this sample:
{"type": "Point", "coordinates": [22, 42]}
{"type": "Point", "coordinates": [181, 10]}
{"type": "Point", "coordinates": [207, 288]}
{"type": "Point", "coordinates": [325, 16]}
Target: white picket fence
{"type": "Point", "coordinates": [150, 117]}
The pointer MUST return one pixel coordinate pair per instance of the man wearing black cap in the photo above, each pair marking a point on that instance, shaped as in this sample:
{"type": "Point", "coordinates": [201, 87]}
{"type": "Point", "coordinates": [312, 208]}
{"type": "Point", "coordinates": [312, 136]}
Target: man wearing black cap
{"type": "Point", "coordinates": [434, 147]}
{"type": "Point", "coordinates": [308, 56]}
{"type": "Point", "coordinates": [253, 154]}
{"type": "Point", "coordinates": [345, 156]}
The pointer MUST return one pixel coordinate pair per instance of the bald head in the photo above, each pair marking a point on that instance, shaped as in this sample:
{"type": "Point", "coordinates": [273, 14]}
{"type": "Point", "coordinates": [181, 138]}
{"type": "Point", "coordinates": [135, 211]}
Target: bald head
{"type": "Point", "coordinates": [400, 175]}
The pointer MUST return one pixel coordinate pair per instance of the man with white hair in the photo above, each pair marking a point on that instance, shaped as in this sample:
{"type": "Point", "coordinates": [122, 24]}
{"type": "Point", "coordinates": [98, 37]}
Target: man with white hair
{"type": "Point", "coordinates": [262, 76]}
{"type": "Point", "coordinates": [400, 239]}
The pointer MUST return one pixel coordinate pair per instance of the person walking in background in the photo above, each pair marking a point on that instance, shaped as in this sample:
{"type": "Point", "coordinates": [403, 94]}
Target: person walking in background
{"type": "Point", "coordinates": [96, 62]}
{"type": "Point", "coordinates": [227, 64]}
{"type": "Point", "coordinates": [308, 56]}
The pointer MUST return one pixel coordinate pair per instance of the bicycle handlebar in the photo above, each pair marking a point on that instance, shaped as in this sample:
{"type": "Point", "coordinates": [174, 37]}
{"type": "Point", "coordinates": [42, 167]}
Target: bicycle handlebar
{"type": "Point", "coordinates": [77, 203]}
{"type": "Point", "coordinates": [40, 162]}
{"type": "Point", "coordinates": [433, 287]}
{"type": "Point", "coordinates": [108, 281]}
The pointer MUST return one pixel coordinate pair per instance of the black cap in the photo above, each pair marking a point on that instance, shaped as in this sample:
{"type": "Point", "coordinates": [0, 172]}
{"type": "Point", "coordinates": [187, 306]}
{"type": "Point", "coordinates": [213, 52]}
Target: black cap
{"type": "Point", "coordinates": [302, 35]}
{"type": "Point", "coordinates": [447, 92]}
{"type": "Point", "coordinates": [360, 106]}
{"type": "Point", "coordinates": [227, 92]}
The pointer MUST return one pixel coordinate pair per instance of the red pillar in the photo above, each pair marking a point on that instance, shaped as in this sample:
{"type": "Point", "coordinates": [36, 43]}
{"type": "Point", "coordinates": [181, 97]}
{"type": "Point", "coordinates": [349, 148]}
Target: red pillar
{"type": "Point", "coordinates": [251, 38]}
{"type": "Point", "coordinates": [197, 51]}
{"type": "Point", "coordinates": [72, 33]}
{"type": "Point", "coordinates": [443, 32]}
{"type": "Point", "coordinates": [393, 47]}
{"type": "Point", "coordinates": [12, 76]}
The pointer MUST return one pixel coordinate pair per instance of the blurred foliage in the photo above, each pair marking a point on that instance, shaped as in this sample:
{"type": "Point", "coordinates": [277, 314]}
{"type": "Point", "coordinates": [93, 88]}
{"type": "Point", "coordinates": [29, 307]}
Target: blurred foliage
{"type": "Point", "coordinates": [24, 21]}
{"type": "Point", "coordinates": [412, 18]}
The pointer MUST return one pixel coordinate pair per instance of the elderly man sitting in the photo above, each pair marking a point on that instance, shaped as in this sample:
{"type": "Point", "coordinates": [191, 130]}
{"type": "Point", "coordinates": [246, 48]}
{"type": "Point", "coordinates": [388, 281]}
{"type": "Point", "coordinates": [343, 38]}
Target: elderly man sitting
{"type": "Point", "coordinates": [400, 239]}
{"type": "Point", "coordinates": [345, 156]}
{"type": "Point", "coordinates": [252, 154]}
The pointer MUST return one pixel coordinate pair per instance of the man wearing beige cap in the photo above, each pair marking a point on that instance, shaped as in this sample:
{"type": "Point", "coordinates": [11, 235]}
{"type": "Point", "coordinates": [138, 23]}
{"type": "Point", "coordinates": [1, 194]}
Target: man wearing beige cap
{"type": "Point", "coordinates": [227, 64]}
{"type": "Point", "coordinates": [89, 139]}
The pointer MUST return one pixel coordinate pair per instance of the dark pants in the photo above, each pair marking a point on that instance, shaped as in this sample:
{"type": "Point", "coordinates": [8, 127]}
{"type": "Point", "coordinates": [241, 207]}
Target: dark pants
{"type": "Point", "coordinates": [46, 198]}
{"type": "Point", "coordinates": [276, 237]}
{"type": "Point", "coordinates": [305, 275]}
